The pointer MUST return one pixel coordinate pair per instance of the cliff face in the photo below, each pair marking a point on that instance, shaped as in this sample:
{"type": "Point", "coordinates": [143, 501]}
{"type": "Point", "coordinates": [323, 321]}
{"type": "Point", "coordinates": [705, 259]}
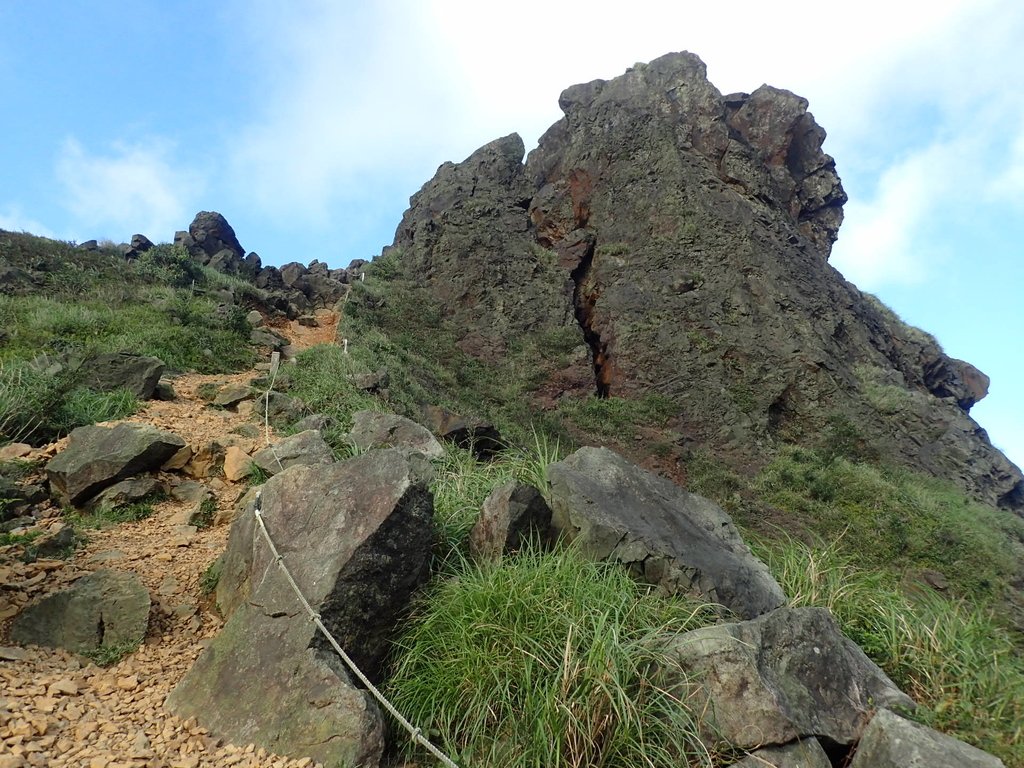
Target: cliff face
{"type": "Point", "coordinates": [687, 234]}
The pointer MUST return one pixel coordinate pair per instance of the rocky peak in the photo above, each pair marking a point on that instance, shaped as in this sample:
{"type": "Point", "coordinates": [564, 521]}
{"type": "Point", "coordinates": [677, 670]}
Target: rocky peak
{"type": "Point", "coordinates": [685, 236]}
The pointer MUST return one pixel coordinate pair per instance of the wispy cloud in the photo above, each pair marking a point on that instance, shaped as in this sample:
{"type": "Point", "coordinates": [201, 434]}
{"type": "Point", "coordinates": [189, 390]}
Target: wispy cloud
{"type": "Point", "coordinates": [129, 188]}
{"type": "Point", "coordinates": [339, 104]}
{"type": "Point", "coordinates": [14, 219]}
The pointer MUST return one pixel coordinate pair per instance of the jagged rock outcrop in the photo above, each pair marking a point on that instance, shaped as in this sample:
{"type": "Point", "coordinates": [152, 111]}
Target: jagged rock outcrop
{"type": "Point", "coordinates": [356, 537]}
{"type": "Point", "coordinates": [212, 241]}
{"type": "Point", "coordinates": [685, 235]}
{"type": "Point", "coordinates": [615, 511]}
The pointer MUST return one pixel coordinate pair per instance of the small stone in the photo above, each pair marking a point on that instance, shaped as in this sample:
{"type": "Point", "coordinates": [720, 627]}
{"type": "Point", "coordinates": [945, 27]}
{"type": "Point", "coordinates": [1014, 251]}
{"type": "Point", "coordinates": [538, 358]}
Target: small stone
{"type": "Point", "coordinates": [86, 729]}
{"type": "Point", "coordinates": [65, 687]}
{"type": "Point", "coordinates": [236, 464]}
{"type": "Point", "coordinates": [128, 683]}
{"type": "Point", "coordinates": [46, 704]}
{"type": "Point", "coordinates": [11, 653]}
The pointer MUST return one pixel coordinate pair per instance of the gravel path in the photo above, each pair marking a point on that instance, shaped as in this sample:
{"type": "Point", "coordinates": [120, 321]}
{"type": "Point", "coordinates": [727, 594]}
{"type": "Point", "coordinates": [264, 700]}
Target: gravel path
{"type": "Point", "coordinates": [58, 709]}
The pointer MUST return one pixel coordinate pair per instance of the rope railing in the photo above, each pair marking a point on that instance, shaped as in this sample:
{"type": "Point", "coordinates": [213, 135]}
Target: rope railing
{"type": "Point", "coordinates": [414, 732]}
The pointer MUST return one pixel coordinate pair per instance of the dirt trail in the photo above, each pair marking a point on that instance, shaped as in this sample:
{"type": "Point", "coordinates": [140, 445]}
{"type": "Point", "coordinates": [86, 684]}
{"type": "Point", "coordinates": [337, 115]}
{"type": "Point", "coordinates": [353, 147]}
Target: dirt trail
{"type": "Point", "coordinates": [58, 709]}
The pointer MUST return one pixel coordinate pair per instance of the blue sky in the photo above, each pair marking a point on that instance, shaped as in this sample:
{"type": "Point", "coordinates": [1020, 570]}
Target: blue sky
{"type": "Point", "coordinates": [309, 125]}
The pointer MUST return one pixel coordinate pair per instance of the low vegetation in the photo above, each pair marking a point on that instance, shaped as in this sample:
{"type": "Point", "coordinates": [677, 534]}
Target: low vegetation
{"type": "Point", "coordinates": [91, 302]}
{"type": "Point", "coordinates": [546, 659]}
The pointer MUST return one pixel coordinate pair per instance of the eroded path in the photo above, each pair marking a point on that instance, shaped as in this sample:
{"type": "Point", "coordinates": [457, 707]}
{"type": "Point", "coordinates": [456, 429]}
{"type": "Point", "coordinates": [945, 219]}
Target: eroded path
{"type": "Point", "coordinates": [58, 709]}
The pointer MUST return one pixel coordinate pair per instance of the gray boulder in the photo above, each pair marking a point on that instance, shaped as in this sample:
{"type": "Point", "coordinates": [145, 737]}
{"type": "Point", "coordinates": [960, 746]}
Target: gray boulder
{"type": "Point", "coordinates": [890, 741]}
{"type": "Point", "coordinates": [304, 448]}
{"type": "Point", "coordinates": [512, 514]}
{"type": "Point", "coordinates": [232, 394]}
{"type": "Point", "coordinates": [282, 410]}
{"type": "Point", "coordinates": [103, 609]}
{"type": "Point", "coordinates": [267, 337]}
{"type": "Point", "coordinates": [138, 374]}
{"type": "Point", "coordinates": [356, 537]}
{"type": "Point", "coordinates": [97, 457]}
{"type": "Point", "coordinates": [616, 511]}
{"type": "Point", "coordinates": [125, 492]}
{"type": "Point", "coordinates": [788, 675]}
{"type": "Point", "coordinates": [807, 753]}
{"type": "Point", "coordinates": [388, 430]}
{"type": "Point", "coordinates": [211, 240]}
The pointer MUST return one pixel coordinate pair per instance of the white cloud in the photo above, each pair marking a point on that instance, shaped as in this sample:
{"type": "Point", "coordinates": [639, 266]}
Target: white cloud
{"type": "Point", "coordinates": [14, 219]}
{"type": "Point", "coordinates": [131, 188]}
{"type": "Point", "coordinates": [346, 96]}
{"type": "Point", "coordinates": [886, 239]}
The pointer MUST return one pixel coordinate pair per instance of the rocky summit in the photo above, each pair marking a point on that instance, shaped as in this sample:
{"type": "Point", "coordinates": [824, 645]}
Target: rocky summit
{"type": "Point", "coordinates": [683, 236]}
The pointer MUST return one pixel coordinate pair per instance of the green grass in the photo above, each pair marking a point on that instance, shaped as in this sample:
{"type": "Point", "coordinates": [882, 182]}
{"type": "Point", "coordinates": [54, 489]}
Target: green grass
{"type": "Point", "coordinates": [322, 379]}
{"type": "Point", "coordinates": [87, 303]}
{"type": "Point", "coordinates": [203, 518]}
{"type": "Point", "coordinates": [893, 519]}
{"type": "Point", "coordinates": [211, 577]}
{"type": "Point", "coordinates": [109, 655]}
{"type": "Point", "coordinates": [952, 656]}
{"type": "Point", "coordinates": [20, 539]}
{"type": "Point", "coordinates": [617, 417]}
{"type": "Point", "coordinates": [462, 483]}
{"type": "Point", "coordinates": [106, 516]}
{"type": "Point", "coordinates": [544, 659]}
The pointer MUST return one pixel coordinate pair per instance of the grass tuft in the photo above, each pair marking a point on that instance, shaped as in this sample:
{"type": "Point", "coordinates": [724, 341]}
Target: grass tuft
{"type": "Point", "coordinates": [544, 659]}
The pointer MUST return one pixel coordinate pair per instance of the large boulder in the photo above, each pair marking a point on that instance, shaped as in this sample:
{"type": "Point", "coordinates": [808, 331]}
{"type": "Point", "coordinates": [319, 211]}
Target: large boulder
{"type": "Point", "coordinates": [103, 609]}
{"type": "Point", "coordinates": [790, 674]}
{"type": "Point", "coordinates": [890, 741]}
{"type": "Point", "coordinates": [616, 511]}
{"type": "Point", "coordinates": [303, 448]}
{"type": "Point", "coordinates": [356, 536]}
{"type": "Point", "coordinates": [371, 429]}
{"type": "Point", "coordinates": [97, 457]}
{"type": "Point", "coordinates": [211, 240]}
{"type": "Point", "coordinates": [139, 374]}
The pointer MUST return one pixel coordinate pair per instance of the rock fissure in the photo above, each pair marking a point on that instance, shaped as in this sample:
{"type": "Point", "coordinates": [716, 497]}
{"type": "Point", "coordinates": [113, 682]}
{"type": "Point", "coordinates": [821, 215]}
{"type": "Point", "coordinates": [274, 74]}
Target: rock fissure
{"type": "Point", "coordinates": [584, 299]}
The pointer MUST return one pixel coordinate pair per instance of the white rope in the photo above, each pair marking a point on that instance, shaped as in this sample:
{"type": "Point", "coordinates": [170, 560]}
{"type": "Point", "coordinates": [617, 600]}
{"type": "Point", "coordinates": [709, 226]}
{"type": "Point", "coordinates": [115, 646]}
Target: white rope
{"type": "Point", "coordinates": [275, 365]}
{"type": "Point", "coordinates": [414, 732]}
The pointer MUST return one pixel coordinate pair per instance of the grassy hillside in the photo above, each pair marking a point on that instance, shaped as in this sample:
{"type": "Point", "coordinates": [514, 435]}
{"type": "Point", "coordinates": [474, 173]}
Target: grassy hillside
{"type": "Point", "coordinates": [837, 527]}
{"type": "Point", "coordinates": [60, 304]}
